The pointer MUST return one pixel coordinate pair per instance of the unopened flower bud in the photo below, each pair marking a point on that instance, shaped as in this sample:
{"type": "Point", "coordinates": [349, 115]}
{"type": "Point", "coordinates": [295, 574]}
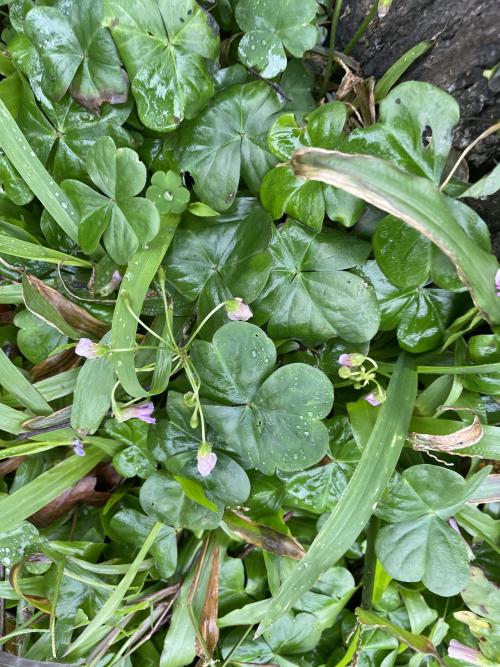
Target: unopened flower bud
{"type": "Point", "coordinates": [237, 309]}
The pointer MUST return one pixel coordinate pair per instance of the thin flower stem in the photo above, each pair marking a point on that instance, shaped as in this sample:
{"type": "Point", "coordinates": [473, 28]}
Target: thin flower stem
{"type": "Point", "coordinates": [331, 46]}
{"type": "Point", "coordinates": [362, 28]}
{"type": "Point", "coordinates": [144, 325]}
{"type": "Point", "coordinates": [202, 324]}
{"type": "Point", "coordinates": [483, 135]}
{"type": "Point", "coordinates": [161, 279]}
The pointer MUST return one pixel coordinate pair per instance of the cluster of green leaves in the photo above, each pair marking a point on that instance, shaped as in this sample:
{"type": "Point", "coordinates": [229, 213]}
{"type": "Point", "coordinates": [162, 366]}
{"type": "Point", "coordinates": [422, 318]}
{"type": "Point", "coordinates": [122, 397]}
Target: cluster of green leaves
{"type": "Point", "coordinates": [167, 166]}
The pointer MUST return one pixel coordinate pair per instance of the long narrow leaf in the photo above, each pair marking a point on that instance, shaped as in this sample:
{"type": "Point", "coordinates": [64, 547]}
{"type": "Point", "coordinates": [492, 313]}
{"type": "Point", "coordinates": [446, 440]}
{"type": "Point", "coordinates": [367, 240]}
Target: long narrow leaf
{"type": "Point", "coordinates": [38, 179]}
{"type": "Point", "coordinates": [14, 381]}
{"type": "Point", "coordinates": [377, 463]}
{"type": "Point", "coordinates": [33, 496]}
{"type": "Point", "coordinates": [416, 201]}
{"type": "Point", "coordinates": [136, 281]}
{"type": "Point", "coordinates": [114, 601]}
{"type": "Point", "coordinates": [11, 420]}
{"type": "Point", "coordinates": [26, 250]}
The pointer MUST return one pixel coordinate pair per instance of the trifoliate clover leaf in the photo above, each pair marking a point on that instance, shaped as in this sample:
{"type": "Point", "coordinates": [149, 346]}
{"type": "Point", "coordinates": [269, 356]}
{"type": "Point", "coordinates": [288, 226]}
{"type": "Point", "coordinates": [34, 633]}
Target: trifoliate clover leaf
{"type": "Point", "coordinates": [124, 220]}
{"type": "Point", "coordinates": [168, 193]}
{"type": "Point", "coordinates": [61, 133]}
{"type": "Point", "coordinates": [271, 419]}
{"type": "Point", "coordinates": [309, 296]}
{"type": "Point", "coordinates": [77, 53]}
{"type": "Point", "coordinates": [166, 46]}
{"type": "Point", "coordinates": [220, 260]}
{"type": "Point", "coordinates": [227, 141]}
{"type": "Point", "coordinates": [420, 314]}
{"type": "Point", "coordinates": [272, 28]}
{"type": "Point", "coordinates": [418, 544]}
{"type": "Point", "coordinates": [307, 201]}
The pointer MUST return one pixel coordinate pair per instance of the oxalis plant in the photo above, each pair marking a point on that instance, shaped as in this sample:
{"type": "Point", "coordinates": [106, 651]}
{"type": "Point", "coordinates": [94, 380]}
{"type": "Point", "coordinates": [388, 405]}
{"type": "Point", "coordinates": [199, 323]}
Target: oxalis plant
{"type": "Point", "coordinates": [250, 347]}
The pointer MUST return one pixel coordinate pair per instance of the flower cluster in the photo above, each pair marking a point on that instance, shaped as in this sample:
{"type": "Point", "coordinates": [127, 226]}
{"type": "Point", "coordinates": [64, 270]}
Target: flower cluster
{"type": "Point", "coordinates": [352, 368]}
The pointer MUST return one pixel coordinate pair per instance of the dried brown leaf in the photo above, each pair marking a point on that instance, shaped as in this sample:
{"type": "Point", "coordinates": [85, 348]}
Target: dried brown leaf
{"type": "Point", "coordinates": [57, 363]}
{"type": "Point", "coordinates": [464, 437]}
{"type": "Point", "coordinates": [83, 491]}
{"type": "Point", "coordinates": [209, 629]}
{"type": "Point", "coordinates": [58, 307]}
{"type": "Point", "coordinates": [263, 536]}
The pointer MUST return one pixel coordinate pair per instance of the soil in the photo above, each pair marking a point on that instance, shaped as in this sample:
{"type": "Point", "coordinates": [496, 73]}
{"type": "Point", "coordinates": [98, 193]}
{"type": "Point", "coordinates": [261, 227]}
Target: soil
{"type": "Point", "coordinates": [467, 43]}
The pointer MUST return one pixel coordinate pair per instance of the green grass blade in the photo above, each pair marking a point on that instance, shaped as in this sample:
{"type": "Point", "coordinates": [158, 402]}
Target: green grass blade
{"type": "Point", "coordinates": [397, 69]}
{"type": "Point", "coordinates": [33, 496]}
{"type": "Point", "coordinates": [135, 284]}
{"type": "Point", "coordinates": [11, 420]}
{"type": "Point", "coordinates": [37, 178]}
{"type": "Point", "coordinates": [416, 201]}
{"type": "Point", "coordinates": [15, 383]}
{"type": "Point", "coordinates": [114, 601]}
{"type": "Point", "coordinates": [352, 512]}
{"type": "Point", "coordinates": [11, 294]}
{"type": "Point", "coordinates": [26, 250]}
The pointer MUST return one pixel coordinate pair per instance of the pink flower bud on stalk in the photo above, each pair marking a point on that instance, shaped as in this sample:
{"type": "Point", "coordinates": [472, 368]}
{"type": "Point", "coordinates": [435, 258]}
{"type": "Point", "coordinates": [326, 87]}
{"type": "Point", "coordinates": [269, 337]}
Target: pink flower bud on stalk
{"type": "Point", "coordinates": [459, 651]}
{"type": "Point", "coordinates": [497, 282]}
{"type": "Point", "coordinates": [351, 360]}
{"type": "Point", "coordinates": [206, 459]}
{"type": "Point", "coordinates": [144, 412]}
{"type": "Point", "coordinates": [90, 350]}
{"type": "Point", "coordinates": [238, 310]}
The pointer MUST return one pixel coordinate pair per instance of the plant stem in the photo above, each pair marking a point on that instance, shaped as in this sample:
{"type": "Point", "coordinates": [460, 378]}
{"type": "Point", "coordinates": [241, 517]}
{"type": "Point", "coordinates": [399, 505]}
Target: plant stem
{"type": "Point", "coordinates": [331, 46]}
{"type": "Point", "coordinates": [370, 563]}
{"type": "Point", "coordinates": [362, 28]}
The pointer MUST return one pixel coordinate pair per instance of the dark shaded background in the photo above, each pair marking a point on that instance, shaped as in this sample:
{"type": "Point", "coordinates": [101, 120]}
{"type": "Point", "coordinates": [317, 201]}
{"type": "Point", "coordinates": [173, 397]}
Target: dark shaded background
{"type": "Point", "coordinates": [468, 42]}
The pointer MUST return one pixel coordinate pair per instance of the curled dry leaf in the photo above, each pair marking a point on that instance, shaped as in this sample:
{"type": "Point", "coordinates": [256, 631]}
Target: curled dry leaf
{"type": "Point", "coordinates": [84, 491]}
{"type": "Point", "coordinates": [57, 363]}
{"type": "Point", "coordinates": [209, 629]}
{"type": "Point", "coordinates": [52, 307]}
{"type": "Point", "coordinates": [11, 464]}
{"type": "Point", "coordinates": [464, 437]}
{"type": "Point", "coordinates": [59, 418]}
{"type": "Point", "coordinates": [263, 536]}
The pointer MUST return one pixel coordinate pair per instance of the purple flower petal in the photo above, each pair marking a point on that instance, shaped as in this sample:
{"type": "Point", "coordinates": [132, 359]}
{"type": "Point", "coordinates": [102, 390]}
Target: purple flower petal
{"type": "Point", "coordinates": [459, 651]}
{"type": "Point", "coordinates": [87, 348]}
{"type": "Point", "coordinates": [497, 282]}
{"type": "Point", "coordinates": [78, 447]}
{"type": "Point", "coordinates": [238, 310]}
{"type": "Point", "coordinates": [143, 412]}
{"type": "Point", "coordinates": [346, 360]}
{"type": "Point", "coordinates": [206, 462]}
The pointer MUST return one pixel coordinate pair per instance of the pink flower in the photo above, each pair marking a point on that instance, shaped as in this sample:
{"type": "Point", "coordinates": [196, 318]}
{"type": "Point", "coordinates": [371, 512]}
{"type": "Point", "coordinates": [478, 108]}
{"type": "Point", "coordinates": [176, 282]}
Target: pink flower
{"type": "Point", "coordinates": [206, 459]}
{"type": "Point", "coordinates": [497, 282]}
{"type": "Point", "coordinates": [237, 309]}
{"type": "Point", "coordinates": [78, 447]}
{"type": "Point", "coordinates": [88, 349]}
{"type": "Point", "coordinates": [346, 360]}
{"type": "Point", "coordinates": [464, 653]}
{"type": "Point", "coordinates": [143, 412]}
{"type": "Point", "coordinates": [351, 360]}
{"type": "Point", "coordinates": [375, 397]}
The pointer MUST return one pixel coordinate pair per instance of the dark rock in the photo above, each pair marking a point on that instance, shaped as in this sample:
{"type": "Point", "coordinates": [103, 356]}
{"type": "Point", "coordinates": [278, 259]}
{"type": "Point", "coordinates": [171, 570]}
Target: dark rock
{"type": "Point", "coordinates": [467, 43]}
